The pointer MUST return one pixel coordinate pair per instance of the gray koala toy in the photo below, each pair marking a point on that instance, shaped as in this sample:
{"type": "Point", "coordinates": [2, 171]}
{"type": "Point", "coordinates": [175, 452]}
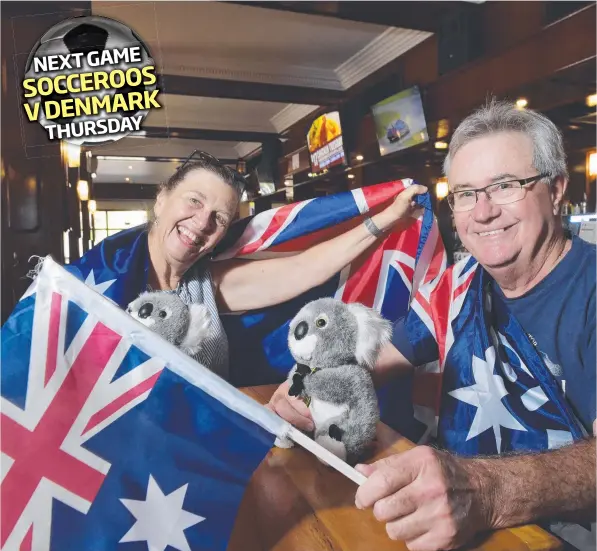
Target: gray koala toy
{"type": "Point", "coordinates": [335, 346]}
{"type": "Point", "coordinates": [166, 314]}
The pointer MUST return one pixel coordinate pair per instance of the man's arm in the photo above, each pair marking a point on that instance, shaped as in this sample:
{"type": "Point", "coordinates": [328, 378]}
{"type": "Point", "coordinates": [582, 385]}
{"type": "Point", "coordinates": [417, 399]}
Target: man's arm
{"type": "Point", "coordinates": [434, 500]}
{"type": "Point", "coordinates": [556, 484]}
{"type": "Point", "coordinates": [247, 285]}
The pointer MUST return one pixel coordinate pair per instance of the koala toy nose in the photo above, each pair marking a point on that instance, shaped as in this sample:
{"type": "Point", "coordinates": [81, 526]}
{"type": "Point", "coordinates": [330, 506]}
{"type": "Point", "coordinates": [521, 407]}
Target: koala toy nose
{"type": "Point", "coordinates": [301, 330]}
{"type": "Point", "coordinates": [146, 310]}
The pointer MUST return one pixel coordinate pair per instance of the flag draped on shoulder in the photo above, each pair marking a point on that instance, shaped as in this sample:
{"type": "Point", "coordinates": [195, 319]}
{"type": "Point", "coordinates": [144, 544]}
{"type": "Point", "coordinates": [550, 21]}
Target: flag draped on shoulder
{"type": "Point", "coordinates": [110, 434]}
{"type": "Point", "coordinates": [482, 387]}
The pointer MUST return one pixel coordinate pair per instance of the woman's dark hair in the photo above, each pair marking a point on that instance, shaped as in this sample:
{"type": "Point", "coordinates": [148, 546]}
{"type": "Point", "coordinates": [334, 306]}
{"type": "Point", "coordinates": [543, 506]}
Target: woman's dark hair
{"type": "Point", "coordinates": [205, 161]}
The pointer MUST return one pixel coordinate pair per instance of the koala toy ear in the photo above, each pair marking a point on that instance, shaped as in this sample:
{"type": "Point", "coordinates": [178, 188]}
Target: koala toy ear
{"type": "Point", "coordinates": [198, 330]}
{"type": "Point", "coordinates": [373, 332]}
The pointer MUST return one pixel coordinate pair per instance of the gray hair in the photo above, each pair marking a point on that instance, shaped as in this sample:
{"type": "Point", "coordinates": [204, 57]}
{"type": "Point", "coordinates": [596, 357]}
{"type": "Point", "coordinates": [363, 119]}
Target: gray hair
{"type": "Point", "coordinates": [502, 116]}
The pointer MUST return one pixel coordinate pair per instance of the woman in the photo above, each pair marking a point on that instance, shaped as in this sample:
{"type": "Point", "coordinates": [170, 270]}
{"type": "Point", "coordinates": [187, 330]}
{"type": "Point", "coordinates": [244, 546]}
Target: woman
{"type": "Point", "coordinates": [193, 211]}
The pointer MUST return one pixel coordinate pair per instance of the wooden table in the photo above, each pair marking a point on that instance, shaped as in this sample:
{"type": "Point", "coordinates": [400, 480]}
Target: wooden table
{"type": "Point", "coordinates": [295, 503]}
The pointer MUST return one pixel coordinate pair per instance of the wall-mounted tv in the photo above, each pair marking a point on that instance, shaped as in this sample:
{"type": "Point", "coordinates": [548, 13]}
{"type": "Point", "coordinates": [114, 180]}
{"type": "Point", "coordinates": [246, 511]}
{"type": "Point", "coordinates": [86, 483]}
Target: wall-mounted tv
{"type": "Point", "coordinates": [400, 121]}
{"type": "Point", "coordinates": [324, 140]}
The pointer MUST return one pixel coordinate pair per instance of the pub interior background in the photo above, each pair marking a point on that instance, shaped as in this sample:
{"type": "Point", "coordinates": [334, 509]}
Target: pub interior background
{"type": "Point", "coordinates": [244, 81]}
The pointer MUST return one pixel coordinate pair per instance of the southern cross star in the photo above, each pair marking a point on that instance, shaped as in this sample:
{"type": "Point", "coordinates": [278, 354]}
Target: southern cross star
{"type": "Point", "coordinates": [161, 519]}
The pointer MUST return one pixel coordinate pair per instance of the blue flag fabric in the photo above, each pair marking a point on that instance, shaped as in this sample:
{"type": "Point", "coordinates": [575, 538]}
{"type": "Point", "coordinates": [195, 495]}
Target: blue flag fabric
{"type": "Point", "coordinates": [176, 473]}
{"type": "Point", "coordinates": [110, 435]}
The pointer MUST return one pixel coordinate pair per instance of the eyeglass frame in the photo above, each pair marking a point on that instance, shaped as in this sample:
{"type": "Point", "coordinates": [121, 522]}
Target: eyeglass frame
{"type": "Point", "coordinates": [202, 155]}
{"type": "Point", "coordinates": [521, 181]}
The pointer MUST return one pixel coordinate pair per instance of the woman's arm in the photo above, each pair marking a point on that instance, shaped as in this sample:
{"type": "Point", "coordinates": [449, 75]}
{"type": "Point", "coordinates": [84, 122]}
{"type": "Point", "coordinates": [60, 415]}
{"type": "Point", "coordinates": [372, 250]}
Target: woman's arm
{"type": "Point", "coordinates": [247, 285]}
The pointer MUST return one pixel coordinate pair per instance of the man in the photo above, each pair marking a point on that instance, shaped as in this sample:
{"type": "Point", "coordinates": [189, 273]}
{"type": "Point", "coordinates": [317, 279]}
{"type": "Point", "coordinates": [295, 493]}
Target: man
{"type": "Point", "coordinates": [516, 351]}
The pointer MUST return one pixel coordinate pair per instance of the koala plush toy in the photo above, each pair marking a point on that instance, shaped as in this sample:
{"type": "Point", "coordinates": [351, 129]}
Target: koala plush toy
{"type": "Point", "coordinates": [165, 313]}
{"type": "Point", "coordinates": [335, 345]}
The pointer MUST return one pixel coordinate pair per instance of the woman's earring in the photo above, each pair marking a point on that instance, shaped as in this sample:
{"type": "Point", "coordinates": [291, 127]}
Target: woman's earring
{"type": "Point", "coordinates": [156, 221]}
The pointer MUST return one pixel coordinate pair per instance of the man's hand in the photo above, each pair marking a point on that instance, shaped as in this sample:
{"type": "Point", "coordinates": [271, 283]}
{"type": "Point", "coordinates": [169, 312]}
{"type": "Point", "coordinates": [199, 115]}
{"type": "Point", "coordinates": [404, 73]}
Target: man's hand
{"type": "Point", "coordinates": [291, 409]}
{"type": "Point", "coordinates": [429, 499]}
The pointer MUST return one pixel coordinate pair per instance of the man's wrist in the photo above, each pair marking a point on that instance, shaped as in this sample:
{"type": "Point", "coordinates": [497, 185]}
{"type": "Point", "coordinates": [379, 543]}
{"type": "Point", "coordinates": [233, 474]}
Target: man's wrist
{"type": "Point", "coordinates": [486, 481]}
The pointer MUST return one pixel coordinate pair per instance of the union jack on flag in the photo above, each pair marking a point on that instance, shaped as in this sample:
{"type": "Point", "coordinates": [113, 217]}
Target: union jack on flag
{"type": "Point", "coordinates": [111, 435]}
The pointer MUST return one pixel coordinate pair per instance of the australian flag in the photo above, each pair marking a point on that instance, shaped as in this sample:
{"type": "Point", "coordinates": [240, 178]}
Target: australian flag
{"type": "Point", "coordinates": [482, 388]}
{"type": "Point", "coordinates": [113, 438]}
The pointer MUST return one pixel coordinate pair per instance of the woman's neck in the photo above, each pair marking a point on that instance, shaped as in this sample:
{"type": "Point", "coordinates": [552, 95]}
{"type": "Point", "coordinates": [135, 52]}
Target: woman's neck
{"type": "Point", "coordinates": [162, 275]}
{"type": "Point", "coordinates": [516, 281]}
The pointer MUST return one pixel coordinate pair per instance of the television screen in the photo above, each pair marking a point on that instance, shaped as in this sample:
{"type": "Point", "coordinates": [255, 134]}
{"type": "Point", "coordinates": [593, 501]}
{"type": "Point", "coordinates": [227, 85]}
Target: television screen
{"type": "Point", "coordinates": [400, 121]}
{"type": "Point", "coordinates": [324, 140]}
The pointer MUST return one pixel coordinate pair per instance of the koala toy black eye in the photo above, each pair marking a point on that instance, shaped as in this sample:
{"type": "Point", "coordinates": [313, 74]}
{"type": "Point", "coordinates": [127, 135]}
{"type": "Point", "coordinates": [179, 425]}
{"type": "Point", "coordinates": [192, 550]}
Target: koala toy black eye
{"type": "Point", "coordinates": [163, 314]}
{"type": "Point", "coordinates": [321, 321]}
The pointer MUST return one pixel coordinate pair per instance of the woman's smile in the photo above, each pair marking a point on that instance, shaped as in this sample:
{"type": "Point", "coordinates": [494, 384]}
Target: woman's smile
{"type": "Point", "coordinates": [189, 238]}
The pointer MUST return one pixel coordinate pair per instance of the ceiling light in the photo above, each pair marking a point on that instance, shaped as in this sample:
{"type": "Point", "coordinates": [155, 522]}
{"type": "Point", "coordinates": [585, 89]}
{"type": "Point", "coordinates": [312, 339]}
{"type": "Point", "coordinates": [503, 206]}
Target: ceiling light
{"type": "Point", "coordinates": [592, 100]}
{"type": "Point", "coordinates": [441, 188]}
{"type": "Point", "coordinates": [83, 190]}
{"type": "Point", "coordinates": [443, 128]}
{"type": "Point", "coordinates": [72, 154]}
{"type": "Point", "coordinates": [93, 175]}
{"type": "Point", "coordinates": [117, 158]}
{"type": "Point", "coordinates": [351, 176]}
{"type": "Point", "coordinates": [359, 157]}
{"type": "Point", "coordinates": [92, 206]}
{"type": "Point", "coordinates": [521, 103]}
{"type": "Point", "coordinates": [130, 167]}
{"type": "Point", "coordinates": [127, 179]}
{"type": "Point", "coordinates": [593, 164]}
{"type": "Point", "coordinates": [441, 145]}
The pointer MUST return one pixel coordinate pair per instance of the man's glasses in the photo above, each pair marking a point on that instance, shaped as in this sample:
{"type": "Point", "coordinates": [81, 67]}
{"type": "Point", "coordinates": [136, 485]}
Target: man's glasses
{"type": "Point", "coordinates": [214, 161]}
{"type": "Point", "coordinates": [500, 193]}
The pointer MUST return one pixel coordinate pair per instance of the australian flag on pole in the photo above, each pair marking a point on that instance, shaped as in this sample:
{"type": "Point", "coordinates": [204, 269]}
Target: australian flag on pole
{"type": "Point", "coordinates": [113, 438]}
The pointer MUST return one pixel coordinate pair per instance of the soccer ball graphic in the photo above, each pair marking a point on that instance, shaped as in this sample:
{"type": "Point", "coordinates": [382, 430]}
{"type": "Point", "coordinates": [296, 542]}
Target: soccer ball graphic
{"type": "Point", "coordinates": [83, 35]}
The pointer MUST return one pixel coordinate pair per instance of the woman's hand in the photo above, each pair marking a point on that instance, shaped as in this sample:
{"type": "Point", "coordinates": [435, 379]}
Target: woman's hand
{"type": "Point", "coordinates": [291, 409]}
{"type": "Point", "coordinates": [403, 209]}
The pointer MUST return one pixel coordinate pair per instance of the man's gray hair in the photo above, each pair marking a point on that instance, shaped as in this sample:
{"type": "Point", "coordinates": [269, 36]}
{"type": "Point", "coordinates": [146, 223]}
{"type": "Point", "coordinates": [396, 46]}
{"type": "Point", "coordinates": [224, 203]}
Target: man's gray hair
{"type": "Point", "coordinates": [501, 116]}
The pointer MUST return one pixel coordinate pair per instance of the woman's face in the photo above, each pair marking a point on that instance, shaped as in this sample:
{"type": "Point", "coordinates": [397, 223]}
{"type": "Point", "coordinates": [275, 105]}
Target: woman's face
{"type": "Point", "coordinates": [193, 217]}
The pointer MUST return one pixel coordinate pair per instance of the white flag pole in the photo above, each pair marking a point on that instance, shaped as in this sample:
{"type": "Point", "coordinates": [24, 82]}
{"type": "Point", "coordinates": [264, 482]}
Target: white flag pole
{"type": "Point", "coordinates": [325, 455]}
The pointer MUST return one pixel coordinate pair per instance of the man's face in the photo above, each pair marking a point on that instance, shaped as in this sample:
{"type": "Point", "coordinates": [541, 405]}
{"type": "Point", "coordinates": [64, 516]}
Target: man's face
{"type": "Point", "coordinates": [500, 235]}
